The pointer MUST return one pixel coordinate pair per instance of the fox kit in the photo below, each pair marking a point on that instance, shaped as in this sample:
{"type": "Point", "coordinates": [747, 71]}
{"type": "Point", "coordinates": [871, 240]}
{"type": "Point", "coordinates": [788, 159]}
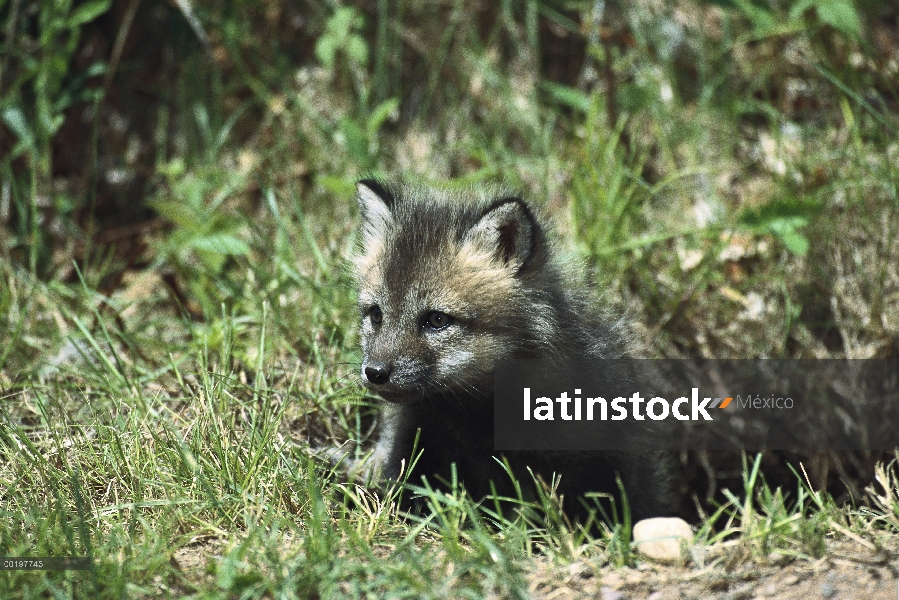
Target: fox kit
{"type": "Point", "coordinates": [449, 284]}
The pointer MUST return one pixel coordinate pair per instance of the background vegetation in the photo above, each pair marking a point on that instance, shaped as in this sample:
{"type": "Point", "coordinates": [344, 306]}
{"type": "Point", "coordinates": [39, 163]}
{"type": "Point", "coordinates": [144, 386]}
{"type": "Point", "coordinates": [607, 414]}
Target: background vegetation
{"type": "Point", "coordinates": [178, 329]}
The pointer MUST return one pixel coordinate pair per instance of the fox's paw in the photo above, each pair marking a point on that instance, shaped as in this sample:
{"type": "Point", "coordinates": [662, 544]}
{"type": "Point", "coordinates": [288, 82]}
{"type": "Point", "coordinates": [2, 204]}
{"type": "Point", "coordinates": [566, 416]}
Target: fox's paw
{"type": "Point", "coordinates": [349, 464]}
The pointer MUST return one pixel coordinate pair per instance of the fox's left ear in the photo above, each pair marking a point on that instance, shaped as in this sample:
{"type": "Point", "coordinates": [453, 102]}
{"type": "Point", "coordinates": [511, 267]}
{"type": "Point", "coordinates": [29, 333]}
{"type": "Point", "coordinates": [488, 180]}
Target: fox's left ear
{"type": "Point", "coordinates": [375, 204]}
{"type": "Point", "coordinates": [507, 231]}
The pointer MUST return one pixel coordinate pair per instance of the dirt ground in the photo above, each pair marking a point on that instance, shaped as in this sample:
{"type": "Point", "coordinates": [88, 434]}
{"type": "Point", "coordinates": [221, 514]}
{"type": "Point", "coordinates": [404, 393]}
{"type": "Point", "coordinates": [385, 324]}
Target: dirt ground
{"type": "Point", "coordinates": [848, 570]}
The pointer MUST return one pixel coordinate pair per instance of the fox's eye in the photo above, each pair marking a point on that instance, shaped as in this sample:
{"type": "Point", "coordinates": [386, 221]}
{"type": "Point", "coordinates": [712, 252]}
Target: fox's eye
{"type": "Point", "coordinates": [438, 320]}
{"type": "Point", "coordinates": [375, 314]}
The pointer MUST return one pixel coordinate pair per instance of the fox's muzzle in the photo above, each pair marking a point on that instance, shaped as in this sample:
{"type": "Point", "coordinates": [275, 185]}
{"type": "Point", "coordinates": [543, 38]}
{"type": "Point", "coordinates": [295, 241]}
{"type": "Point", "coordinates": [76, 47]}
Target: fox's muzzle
{"type": "Point", "coordinates": [377, 373]}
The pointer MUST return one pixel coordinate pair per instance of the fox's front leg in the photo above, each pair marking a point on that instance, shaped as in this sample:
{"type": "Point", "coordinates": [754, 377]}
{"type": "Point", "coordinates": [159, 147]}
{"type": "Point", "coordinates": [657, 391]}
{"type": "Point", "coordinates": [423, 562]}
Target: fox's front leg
{"type": "Point", "coordinates": [385, 463]}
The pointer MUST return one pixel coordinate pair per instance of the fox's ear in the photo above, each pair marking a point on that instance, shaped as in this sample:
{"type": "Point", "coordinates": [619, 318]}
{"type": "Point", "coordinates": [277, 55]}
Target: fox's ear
{"type": "Point", "coordinates": [375, 203]}
{"type": "Point", "coordinates": [506, 231]}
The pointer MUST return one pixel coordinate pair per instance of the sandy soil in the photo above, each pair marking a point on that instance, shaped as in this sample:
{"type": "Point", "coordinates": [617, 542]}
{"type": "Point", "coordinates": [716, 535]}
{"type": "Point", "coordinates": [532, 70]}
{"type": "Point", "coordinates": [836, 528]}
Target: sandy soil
{"type": "Point", "coordinates": [849, 570]}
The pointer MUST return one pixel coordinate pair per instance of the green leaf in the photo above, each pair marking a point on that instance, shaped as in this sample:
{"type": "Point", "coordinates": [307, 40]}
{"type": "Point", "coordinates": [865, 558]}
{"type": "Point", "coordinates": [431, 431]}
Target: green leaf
{"type": "Point", "coordinates": [339, 35]}
{"type": "Point", "coordinates": [98, 68]}
{"type": "Point", "coordinates": [787, 230]}
{"type": "Point", "coordinates": [798, 9]}
{"type": "Point", "coordinates": [16, 120]}
{"type": "Point", "coordinates": [380, 114]}
{"type": "Point", "coordinates": [763, 21]}
{"type": "Point", "coordinates": [337, 186]}
{"type": "Point", "coordinates": [213, 261]}
{"type": "Point", "coordinates": [87, 12]}
{"type": "Point", "coordinates": [784, 219]}
{"type": "Point", "coordinates": [325, 50]}
{"type": "Point", "coordinates": [841, 15]}
{"type": "Point", "coordinates": [356, 141]}
{"type": "Point", "coordinates": [343, 21]}
{"type": "Point", "coordinates": [178, 212]}
{"type": "Point", "coordinates": [795, 242]}
{"type": "Point", "coordinates": [357, 50]}
{"type": "Point", "coordinates": [221, 243]}
{"type": "Point", "coordinates": [567, 96]}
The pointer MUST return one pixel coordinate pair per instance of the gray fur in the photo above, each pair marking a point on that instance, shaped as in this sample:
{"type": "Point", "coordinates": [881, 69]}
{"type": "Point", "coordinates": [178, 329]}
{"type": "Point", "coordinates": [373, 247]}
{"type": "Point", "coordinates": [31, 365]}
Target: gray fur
{"type": "Point", "coordinates": [483, 258]}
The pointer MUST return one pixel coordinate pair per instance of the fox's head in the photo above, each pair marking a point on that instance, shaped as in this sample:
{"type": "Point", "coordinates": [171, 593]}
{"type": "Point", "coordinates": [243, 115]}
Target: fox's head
{"type": "Point", "coordinates": [445, 289]}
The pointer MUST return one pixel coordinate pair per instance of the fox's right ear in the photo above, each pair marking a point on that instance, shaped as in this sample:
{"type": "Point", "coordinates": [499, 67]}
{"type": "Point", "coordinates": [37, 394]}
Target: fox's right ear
{"type": "Point", "coordinates": [375, 203]}
{"type": "Point", "coordinates": [507, 231]}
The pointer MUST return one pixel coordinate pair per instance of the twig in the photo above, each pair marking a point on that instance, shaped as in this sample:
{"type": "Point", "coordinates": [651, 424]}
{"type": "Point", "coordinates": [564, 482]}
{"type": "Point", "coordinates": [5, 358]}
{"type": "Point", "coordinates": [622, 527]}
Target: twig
{"type": "Point", "coordinates": [193, 21]}
{"type": "Point", "coordinates": [119, 46]}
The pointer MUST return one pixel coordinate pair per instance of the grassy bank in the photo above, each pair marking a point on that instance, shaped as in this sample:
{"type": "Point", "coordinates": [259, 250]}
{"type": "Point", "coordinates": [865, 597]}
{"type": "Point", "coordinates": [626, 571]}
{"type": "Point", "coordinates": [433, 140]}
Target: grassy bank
{"type": "Point", "coordinates": [179, 328]}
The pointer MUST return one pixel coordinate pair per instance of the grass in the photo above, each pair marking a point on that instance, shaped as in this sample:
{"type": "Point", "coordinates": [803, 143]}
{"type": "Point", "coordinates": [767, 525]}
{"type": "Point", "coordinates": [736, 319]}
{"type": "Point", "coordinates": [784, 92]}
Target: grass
{"type": "Point", "coordinates": [161, 402]}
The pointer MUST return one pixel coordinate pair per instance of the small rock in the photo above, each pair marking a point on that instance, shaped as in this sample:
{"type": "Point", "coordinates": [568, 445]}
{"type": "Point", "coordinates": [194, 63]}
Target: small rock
{"type": "Point", "coordinates": [607, 593]}
{"type": "Point", "coordinates": [660, 538]}
{"type": "Point", "coordinates": [791, 580]}
{"type": "Point", "coordinates": [828, 591]}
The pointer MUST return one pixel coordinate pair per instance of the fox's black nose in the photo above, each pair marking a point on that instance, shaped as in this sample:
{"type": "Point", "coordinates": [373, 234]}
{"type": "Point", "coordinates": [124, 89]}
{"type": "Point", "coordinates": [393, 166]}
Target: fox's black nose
{"type": "Point", "coordinates": [377, 373]}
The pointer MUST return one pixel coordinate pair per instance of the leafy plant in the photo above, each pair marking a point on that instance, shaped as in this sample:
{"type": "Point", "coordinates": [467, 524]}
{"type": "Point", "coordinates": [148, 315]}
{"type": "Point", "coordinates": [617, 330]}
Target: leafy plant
{"type": "Point", "coordinates": [45, 87]}
{"type": "Point", "coordinates": [839, 14]}
{"type": "Point", "coordinates": [767, 20]}
{"type": "Point", "coordinates": [204, 234]}
{"type": "Point", "coordinates": [342, 36]}
{"type": "Point", "coordinates": [785, 219]}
